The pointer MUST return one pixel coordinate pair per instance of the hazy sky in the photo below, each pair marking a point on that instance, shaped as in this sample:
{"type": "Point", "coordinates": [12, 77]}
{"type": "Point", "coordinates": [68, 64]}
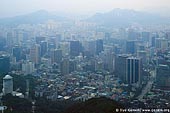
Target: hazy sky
{"type": "Point", "coordinates": [17, 7]}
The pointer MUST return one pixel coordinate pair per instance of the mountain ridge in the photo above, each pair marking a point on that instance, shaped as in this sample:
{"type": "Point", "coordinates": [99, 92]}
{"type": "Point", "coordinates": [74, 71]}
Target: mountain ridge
{"type": "Point", "coordinates": [126, 17]}
{"type": "Point", "coordinates": [115, 17]}
{"type": "Point", "coordinates": [39, 16]}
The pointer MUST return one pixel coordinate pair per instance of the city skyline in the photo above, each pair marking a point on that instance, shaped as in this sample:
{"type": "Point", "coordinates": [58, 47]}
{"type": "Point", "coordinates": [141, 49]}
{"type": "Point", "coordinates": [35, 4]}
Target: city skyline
{"type": "Point", "coordinates": [18, 7]}
{"type": "Point", "coordinates": [55, 55]}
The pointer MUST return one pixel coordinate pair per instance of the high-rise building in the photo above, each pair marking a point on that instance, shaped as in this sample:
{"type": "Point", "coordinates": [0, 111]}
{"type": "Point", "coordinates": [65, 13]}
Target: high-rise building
{"type": "Point", "coordinates": [108, 58]}
{"type": "Point", "coordinates": [152, 39]}
{"type": "Point", "coordinates": [28, 67]}
{"type": "Point", "coordinates": [75, 48]}
{"type": "Point", "coordinates": [164, 44]}
{"type": "Point", "coordinates": [58, 37]}
{"type": "Point", "coordinates": [163, 76]}
{"type": "Point", "coordinates": [7, 85]}
{"type": "Point", "coordinates": [9, 39]}
{"type": "Point", "coordinates": [35, 54]}
{"type": "Point", "coordinates": [64, 66]}
{"type": "Point", "coordinates": [140, 47]}
{"type": "Point", "coordinates": [161, 43]}
{"type": "Point", "coordinates": [72, 65]}
{"type": "Point", "coordinates": [107, 36]}
{"type": "Point", "coordinates": [43, 45]}
{"type": "Point", "coordinates": [56, 55]}
{"type": "Point", "coordinates": [130, 47]}
{"type": "Point", "coordinates": [38, 40]}
{"type": "Point", "coordinates": [52, 56]}
{"type": "Point", "coordinates": [167, 35]}
{"type": "Point", "coordinates": [158, 42]}
{"type": "Point", "coordinates": [46, 62]}
{"type": "Point", "coordinates": [143, 55]}
{"type": "Point", "coordinates": [133, 35]}
{"type": "Point", "coordinates": [99, 46]}
{"type": "Point", "coordinates": [111, 60]}
{"type": "Point", "coordinates": [145, 36]}
{"type": "Point", "coordinates": [19, 37]}
{"type": "Point", "coordinates": [91, 48]}
{"type": "Point", "coordinates": [2, 44]}
{"type": "Point", "coordinates": [133, 70]}
{"type": "Point", "coordinates": [98, 65]}
{"type": "Point", "coordinates": [120, 66]}
{"type": "Point", "coordinates": [4, 63]}
{"type": "Point", "coordinates": [16, 52]}
{"type": "Point", "coordinates": [65, 47]}
{"type": "Point", "coordinates": [52, 41]}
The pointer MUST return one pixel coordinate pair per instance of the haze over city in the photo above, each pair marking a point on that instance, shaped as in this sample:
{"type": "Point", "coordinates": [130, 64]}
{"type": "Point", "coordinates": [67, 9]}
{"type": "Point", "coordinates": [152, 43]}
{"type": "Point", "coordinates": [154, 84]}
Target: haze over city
{"type": "Point", "coordinates": [84, 56]}
{"type": "Point", "coordinates": [9, 8]}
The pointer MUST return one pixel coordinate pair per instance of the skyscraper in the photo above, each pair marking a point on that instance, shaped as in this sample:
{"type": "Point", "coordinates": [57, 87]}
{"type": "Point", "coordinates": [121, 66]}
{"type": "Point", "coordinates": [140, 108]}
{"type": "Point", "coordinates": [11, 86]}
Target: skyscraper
{"type": "Point", "coordinates": [2, 44]}
{"type": "Point", "coordinates": [9, 39]}
{"type": "Point", "coordinates": [111, 60]}
{"type": "Point", "coordinates": [16, 52]}
{"type": "Point", "coordinates": [163, 76]}
{"type": "Point", "coordinates": [65, 47]}
{"type": "Point", "coordinates": [91, 48]}
{"type": "Point", "coordinates": [144, 56]}
{"type": "Point", "coordinates": [39, 39]}
{"type": "Point", "coordinates": [72, 65]}
{"type": "Point", "coordinates": [152, 39]}
{"type": "Point", "coordinates": [64, 66]}
{"type": "Point", "coordinates": [56, 55]}
{"type": "Point", "coordinates": [35, 54]}
{"type": "Point", "coordinates": [130, 47]}
{"type": "Point", "coordinates": [161, 43]}
{"type": "Point", "coordinates": [28, 67]}
{"type": "Point", "coordinates": [133, 68]}
{"type": "Point", "coordinates": [107, 36]}
{"type": "Point", "coordinates": [75, 48]}
{"type": "Point", "coordinates": [120, 66]}
{"type": "Point", "coordinates": [99, 46]}
{"type": "Point", "coordinates": [133, 35]}
{"type": "Point", "coordinates": [43, 45]}
{"type": "Point", "coordinates": [4, 63]}
{"type": "Point", "coordinates": [145, 36]}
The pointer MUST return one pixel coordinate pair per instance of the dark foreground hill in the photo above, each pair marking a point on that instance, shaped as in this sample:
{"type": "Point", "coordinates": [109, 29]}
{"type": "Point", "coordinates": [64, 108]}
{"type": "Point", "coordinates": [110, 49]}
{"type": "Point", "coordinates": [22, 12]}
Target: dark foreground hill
{"type": "Point", "coordinates": [95, 105]}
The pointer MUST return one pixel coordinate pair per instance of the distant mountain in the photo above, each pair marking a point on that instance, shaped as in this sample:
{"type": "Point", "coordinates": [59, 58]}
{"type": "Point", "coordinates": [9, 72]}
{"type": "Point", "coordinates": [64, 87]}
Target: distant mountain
{"type": "Point", "coordinates": [32, 18]}
{"type": "Point", "coordinates": [119, 17]}
{"type": "Point", "coordinates": [116, 17]}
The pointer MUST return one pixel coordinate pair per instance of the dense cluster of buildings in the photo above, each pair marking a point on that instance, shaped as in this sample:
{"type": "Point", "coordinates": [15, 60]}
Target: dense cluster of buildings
{"type": "Point", "coordinates": [81, 61]}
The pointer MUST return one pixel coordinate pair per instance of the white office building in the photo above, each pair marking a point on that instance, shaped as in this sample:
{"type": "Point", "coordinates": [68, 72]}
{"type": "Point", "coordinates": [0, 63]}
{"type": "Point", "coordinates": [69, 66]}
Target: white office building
{"type": "Point", "coordinates": [7, 85]}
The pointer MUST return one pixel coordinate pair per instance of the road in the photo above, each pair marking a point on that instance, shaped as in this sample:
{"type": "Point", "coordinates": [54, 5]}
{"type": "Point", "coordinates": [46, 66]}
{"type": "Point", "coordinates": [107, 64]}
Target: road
{"type": "Point", "coordinates": [148, 87]}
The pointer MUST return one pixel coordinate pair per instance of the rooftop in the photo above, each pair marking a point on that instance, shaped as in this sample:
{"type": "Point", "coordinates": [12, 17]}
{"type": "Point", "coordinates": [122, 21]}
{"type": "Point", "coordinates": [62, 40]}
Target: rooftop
{"type": "Point", "coordinates": [7, 77]}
